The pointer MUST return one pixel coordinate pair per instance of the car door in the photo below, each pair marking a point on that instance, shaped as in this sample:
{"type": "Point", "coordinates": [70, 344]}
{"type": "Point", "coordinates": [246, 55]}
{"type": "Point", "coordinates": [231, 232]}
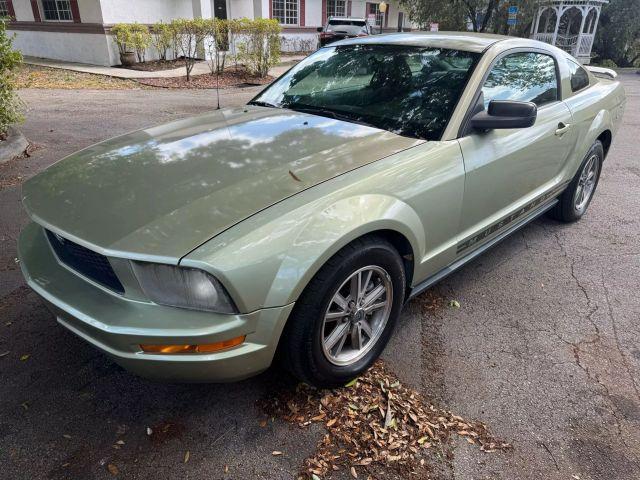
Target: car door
{"type": "Point", "coordinates": [508, 170]}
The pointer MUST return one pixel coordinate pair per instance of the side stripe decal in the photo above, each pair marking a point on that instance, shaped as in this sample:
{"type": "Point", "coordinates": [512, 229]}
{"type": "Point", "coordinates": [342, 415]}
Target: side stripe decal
{"type": "Point", "coordinates": [508, 220]}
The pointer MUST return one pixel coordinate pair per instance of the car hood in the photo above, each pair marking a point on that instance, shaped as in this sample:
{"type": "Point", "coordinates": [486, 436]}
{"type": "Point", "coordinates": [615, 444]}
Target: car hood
{"type": "Point", "coordinates": [160, 192]}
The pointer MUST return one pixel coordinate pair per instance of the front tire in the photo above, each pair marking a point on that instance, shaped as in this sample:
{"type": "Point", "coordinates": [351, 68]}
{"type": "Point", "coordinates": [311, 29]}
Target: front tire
{"type": "Point", "coordinates": [575, 200]}
{"type": "Point", "coordinates": [346, 315]}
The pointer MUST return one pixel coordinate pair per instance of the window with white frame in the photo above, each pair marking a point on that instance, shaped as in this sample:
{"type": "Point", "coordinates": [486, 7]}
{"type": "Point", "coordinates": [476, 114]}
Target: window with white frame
{"type": "Point", "coordinates": [4, 8]}
{"type": "Point", "coordinates": [286, 11]}
{"type": "Point", "coordinates": [336, 8]}
{"type": "Point", "coordinates": [57, 10]}
{"type": "Point", "coordinates": [375, 8]}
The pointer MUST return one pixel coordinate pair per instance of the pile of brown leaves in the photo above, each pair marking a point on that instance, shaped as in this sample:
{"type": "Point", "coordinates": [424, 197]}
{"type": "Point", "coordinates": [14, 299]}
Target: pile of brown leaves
{"type": "Point", "coordinates": [157, 65]}
{"type": "Point", "coordinates": [227, 79]}
{"type": "Point", "coordinates": [374, 423]}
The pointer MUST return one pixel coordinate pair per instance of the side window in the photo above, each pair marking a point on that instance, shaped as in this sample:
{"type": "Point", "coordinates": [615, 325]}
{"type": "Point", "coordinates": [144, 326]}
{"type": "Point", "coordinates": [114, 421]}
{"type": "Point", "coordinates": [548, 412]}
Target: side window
{"type": "Point", "coordinates": [579, 76]}
{"type": "Point", "coordinates": [525, 76]}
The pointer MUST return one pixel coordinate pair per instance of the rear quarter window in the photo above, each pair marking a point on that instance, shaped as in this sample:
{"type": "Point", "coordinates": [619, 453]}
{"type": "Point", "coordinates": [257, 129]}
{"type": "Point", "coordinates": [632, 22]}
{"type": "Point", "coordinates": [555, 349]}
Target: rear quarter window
{"type": "Point", "coordinates": [579, 76]}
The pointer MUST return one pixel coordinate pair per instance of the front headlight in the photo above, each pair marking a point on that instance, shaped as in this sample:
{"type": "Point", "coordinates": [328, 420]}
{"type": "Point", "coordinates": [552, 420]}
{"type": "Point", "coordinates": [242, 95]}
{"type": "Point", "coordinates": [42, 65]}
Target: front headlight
{"type": "Point", "coordinates": [183, 287]}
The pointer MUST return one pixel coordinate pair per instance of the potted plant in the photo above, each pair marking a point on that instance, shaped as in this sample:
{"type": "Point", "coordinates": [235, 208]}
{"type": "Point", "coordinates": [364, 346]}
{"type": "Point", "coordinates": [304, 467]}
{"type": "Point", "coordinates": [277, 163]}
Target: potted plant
{"type": "Point", "coordinates": [123, 37]}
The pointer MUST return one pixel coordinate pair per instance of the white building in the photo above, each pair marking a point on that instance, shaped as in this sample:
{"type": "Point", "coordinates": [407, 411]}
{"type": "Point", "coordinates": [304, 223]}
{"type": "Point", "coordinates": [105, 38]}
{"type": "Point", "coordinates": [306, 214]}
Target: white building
{"type": "Point", "coordinates": [78, 30]}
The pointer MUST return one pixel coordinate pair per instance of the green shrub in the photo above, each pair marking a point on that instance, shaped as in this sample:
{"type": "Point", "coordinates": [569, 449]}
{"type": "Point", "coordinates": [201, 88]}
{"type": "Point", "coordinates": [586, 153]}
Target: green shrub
{"type": "Point", "coordinates": [217, 44]}
{"type": "Point", "coordinates": [189, 37]}
{"type": "Point", "coordinates": [260, 48]}
{"type": "Point", "coordinates": [122, 36]}
{"type": "Point", "coordinates": [256, 43]}
{"type": "Point", "coordinates": [608, 63]}
{"type": "Point", "coordinates": [140, 40]}
{"type": "Point", "coordinates": [162, 39]}
{"type": "Point", "coordinates": [237, 27]}
{"type": "Point", "coordinates": [10, 103]}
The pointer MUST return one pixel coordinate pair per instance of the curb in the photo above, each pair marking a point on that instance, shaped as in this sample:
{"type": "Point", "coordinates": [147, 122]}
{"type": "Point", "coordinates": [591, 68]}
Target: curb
{"type": "Point", "coordinates": [14, 145]}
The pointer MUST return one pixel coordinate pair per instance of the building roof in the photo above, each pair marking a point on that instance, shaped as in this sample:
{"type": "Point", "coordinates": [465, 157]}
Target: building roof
{"type": "Point", "coordinates": [466, 41]}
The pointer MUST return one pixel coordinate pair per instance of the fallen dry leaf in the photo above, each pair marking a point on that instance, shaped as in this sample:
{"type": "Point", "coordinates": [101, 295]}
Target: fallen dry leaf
{"type": "Point", "coordinates": [376, 423]}
{"type": "Point", "coordinates": [186, 456]}
{"type": "Point", "coordinates": [113, 470]}
{"type": "Point", "coordinates": [275, 453]}
{"type": "Point", "coordinates": [25, 357]}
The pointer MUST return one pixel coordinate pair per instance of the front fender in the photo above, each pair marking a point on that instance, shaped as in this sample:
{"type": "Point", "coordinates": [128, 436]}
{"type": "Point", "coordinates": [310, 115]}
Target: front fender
{"type": "Point", "coordinates": [268, 264]}
{"type": "Point", "coordinates": [335, 227]}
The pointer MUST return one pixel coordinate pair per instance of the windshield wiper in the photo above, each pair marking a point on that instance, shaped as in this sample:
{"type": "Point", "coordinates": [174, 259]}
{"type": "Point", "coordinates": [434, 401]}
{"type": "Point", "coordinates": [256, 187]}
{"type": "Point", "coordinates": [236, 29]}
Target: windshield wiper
{"type": "Point", "coordinates": [261, 103]}
{"type": "Point", "coordinates": [325, 112]}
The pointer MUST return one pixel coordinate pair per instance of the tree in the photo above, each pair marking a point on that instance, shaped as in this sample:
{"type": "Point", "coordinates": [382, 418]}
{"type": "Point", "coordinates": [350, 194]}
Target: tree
{"type": "Point", "coordinates": [10, 103]}
{"type": "Point", "coordinates": [618, 35]}
{"type": "Point", "coordinates": [483, 15]}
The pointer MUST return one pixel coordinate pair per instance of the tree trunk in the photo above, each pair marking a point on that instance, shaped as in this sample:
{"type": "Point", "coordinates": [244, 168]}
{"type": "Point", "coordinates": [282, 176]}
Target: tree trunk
{"type": "Point", "coordinates": [488, 14]}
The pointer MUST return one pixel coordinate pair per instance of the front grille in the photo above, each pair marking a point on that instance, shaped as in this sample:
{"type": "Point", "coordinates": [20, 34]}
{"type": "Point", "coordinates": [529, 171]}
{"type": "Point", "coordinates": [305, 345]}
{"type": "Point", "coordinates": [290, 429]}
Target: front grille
{"type": "Point", "coordinates": [92, 265]}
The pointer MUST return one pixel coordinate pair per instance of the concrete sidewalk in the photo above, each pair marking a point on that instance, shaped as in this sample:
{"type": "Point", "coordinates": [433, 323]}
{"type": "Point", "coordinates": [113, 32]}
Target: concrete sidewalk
{"type": "Point", "coordinates": [201, 67]}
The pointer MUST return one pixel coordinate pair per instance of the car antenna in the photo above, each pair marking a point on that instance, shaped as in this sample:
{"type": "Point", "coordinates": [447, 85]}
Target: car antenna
{"type": "Point", "coordinates": [218, 87]}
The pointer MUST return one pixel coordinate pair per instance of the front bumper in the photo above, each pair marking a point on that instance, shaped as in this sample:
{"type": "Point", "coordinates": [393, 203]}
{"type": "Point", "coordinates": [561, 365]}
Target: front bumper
{"type": "Point", "coordinates": [118, 325]}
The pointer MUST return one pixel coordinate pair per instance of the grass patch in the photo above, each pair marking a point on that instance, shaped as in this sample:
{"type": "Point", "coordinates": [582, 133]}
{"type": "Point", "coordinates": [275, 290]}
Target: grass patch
{"type": "Point", "coordinates": [35, 76]}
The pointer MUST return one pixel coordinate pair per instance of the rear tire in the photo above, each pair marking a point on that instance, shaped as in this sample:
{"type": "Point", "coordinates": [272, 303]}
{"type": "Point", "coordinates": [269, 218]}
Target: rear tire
{"type": "Point", "coordinates": [575, 200]}
{"type": "Point", "coordinates": [329, 311]}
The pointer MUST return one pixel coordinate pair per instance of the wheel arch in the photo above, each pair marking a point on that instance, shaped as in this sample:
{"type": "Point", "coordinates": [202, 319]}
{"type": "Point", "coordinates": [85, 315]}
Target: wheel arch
{"type": "Point", "coordinates": [394, 236]}
{"type": "Point", "coordinates": [606, 137]}
{"type": "Point", "coordinates": [386, 216]}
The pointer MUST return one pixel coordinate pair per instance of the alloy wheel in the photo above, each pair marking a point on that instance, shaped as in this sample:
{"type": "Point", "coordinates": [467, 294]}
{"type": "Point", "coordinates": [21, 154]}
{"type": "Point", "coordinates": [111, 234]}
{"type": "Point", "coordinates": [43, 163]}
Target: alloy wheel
{"type": "Point", "coordinates": [586, 183]}
{"type": "Point", "coordinates": [357, 315]}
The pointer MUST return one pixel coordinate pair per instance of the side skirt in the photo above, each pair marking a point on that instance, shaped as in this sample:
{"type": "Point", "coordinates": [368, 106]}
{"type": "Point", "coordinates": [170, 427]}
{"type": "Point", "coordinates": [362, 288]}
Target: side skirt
{"type": "Point", "coordinates": [446, 271]}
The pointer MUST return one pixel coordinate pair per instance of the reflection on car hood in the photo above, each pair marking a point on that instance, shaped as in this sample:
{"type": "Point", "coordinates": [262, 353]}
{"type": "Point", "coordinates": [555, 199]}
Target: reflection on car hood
{"type": "Point", "coordinates": [160, 192]}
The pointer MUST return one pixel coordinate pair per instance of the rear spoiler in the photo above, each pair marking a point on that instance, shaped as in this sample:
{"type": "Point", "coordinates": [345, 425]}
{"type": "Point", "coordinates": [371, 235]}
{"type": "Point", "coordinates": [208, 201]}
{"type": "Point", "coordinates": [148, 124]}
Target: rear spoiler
{"type": "Point", "coordinates": [602, 72]}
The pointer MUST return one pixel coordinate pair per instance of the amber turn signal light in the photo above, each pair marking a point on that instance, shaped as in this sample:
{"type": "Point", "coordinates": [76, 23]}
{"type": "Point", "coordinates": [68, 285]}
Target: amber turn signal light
{"type": "Point", "coordinates": [204, 348]}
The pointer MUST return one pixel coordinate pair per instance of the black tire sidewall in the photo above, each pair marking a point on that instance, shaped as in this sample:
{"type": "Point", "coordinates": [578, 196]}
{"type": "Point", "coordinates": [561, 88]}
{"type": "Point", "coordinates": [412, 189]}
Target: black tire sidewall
{"type": "Point", "coordinates": [314, 367]}
{"type": "Point", "coordinates": [569, 212]}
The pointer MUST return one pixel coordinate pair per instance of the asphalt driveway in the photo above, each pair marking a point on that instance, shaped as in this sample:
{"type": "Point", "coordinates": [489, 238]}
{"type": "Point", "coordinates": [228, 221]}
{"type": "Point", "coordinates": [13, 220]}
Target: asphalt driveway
{"type": "Point", "coordinates": [544, 347]}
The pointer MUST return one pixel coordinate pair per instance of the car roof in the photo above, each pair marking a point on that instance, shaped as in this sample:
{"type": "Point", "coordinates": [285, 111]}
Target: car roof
{"type": "Point", "coordinates": [348, 19]}
{"type": "Point", "coordinates": [466, 41]}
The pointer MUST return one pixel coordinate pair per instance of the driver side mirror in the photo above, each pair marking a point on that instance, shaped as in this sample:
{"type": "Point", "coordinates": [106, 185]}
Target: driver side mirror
{"type": "Point", "coordinates": [320, 29]}
{"type": "Point", "coordinates": [505, 114]}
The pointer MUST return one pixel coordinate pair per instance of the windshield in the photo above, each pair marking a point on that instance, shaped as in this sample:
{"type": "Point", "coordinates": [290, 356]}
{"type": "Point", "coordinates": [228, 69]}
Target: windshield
{"type": "Point", "coordinates": [410, 91]}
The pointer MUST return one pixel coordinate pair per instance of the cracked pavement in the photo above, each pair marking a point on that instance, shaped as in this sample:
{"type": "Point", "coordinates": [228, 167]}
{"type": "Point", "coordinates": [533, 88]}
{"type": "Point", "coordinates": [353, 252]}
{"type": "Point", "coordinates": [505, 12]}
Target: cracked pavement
{"type": "Point", "coordinates": [544, 347]}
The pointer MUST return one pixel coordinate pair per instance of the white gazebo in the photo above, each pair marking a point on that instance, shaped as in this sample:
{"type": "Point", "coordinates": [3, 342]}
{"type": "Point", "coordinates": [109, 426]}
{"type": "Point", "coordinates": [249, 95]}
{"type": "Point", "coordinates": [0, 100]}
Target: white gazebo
{"type": "Point", "coordinates": [569, 25]}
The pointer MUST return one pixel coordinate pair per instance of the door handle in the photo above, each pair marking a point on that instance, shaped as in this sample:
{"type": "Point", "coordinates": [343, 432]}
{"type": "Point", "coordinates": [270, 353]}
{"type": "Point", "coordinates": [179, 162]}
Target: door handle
{"type": "Point", "coordinates": [562, 129]}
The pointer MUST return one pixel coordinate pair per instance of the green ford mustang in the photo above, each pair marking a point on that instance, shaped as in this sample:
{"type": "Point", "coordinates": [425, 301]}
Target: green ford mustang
{"type": "Point", "coordinates": [300, 224]}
